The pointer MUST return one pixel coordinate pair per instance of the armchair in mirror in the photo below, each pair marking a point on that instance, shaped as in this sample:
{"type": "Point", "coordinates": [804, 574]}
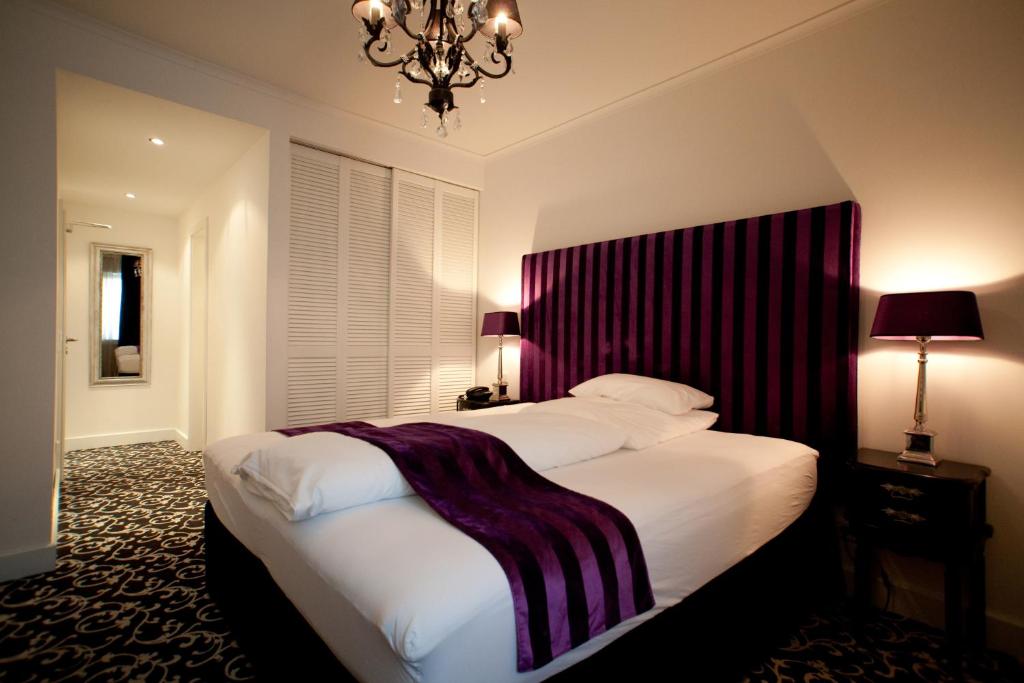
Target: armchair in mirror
{"type": "Point", "coordinates": [119, 326]}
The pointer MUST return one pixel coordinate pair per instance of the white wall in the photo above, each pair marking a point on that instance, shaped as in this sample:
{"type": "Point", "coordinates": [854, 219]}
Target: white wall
{"type": "Point", "coordinates": [235, 212]}
{"type": "Point", "coordinates": [107, 415]}
{"type": "Point", "coordinates": [36, 39]}
{"type": "Point", "coordinates": [912, 108]}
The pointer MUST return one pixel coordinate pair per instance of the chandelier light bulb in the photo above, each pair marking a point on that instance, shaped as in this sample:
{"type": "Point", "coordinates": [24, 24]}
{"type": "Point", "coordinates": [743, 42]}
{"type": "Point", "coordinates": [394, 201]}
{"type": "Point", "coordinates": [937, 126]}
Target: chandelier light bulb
{"type": "Point", "coordinates": [376, 11]}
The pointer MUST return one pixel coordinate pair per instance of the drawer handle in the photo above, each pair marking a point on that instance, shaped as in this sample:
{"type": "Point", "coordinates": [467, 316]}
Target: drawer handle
{"type": "Point", "coordinates": [903, 517]}
{"type": "Point", "coordinates": [902, 492]}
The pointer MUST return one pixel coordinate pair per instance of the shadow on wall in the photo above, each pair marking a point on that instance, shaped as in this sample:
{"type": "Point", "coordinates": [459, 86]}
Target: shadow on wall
{"type": "Point", "coordinates": [1001, 305]}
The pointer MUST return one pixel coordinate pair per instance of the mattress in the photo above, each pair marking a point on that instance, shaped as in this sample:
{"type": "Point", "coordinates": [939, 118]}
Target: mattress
{"type": "Point", "coordinates": [399, 595]}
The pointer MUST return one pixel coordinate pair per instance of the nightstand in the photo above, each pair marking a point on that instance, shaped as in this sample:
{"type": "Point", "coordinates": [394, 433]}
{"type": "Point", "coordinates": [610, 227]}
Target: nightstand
{"type": "Point", "coordinates": [462, 403]}
{"type": "Point", "coordinates": [932, 512]}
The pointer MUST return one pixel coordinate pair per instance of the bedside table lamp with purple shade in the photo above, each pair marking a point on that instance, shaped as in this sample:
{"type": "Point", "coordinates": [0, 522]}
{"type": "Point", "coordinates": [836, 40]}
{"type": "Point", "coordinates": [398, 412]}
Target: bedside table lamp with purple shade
{"type": "Point", "coordinates": [925, 317]}
{"type": "Point", "coordinates": [500, 324]}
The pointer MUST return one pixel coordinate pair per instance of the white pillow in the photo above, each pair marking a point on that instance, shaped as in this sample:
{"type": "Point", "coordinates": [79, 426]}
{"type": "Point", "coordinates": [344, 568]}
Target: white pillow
{"type": "Point", "coordinates": [668, 397]}
{"type": "Point", "coordinates": [646, 427]}
{"type": "Point", "coordinates": [311, 474]}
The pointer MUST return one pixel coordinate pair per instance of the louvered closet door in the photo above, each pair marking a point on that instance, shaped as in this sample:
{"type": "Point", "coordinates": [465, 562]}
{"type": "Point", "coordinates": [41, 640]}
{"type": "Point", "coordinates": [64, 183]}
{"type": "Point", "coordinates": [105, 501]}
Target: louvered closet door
{"type": "Point", "coordinates": [338, 289]}
{"type": "Point", "coordinates": [412, 299]}
{"type": "Point", "coordinates": [381, 291]}
{"type": "Point", "coordinates": [433, 311]}
{"type": "Point", "coordinates": [313, 312]}
{"type": "Point", "coordinates": [365, 292]}
{"type": "Point", "coordinates": [455, 338]}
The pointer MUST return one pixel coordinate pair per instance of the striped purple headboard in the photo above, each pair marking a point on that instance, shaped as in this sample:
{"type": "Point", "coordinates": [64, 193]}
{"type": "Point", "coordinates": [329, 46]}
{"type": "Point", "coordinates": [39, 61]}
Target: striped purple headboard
{"type": "Point", "coordinates": [762, 313]}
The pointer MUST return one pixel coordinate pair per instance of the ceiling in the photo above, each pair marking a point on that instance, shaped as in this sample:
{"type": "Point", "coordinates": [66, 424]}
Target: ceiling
{"type": "Point", "coordinates": [105, 151]}
{"type": "Point", "coordinates": [574, 58]}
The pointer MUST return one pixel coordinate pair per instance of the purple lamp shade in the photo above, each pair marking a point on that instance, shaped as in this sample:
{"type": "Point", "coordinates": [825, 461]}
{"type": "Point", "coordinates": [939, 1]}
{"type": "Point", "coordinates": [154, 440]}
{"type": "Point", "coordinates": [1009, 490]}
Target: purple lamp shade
{"type": "Point", "coordinates": [943, 316]}
{"type": "Point", "coordinates": [500, 323]}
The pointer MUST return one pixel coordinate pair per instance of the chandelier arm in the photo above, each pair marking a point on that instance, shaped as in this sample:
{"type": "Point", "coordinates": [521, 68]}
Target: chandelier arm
{"type": "Point", "coordinates": [458, 34]}
{"type": "Point", "coordinates": [374, 60]}
{"type": "Point", "coordinates": [414, 79]}
{"type": "Point", "coordinates": [479, 69]}
{"type": "Point", "coordinates": [434, 9]}
{"type": "Point", "coordinates": [467, 84]}
{"type": "Point", "coordinates": [472, 31]}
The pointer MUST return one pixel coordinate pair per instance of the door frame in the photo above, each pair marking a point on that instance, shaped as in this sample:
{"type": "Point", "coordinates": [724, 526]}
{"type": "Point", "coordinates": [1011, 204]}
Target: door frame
{"type": "Point", "coordinates": [198, 339]}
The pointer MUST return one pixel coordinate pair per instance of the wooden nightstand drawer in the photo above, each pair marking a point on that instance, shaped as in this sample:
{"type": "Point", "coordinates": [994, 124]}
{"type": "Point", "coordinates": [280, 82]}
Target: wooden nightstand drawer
{"type": "Point", "coordinates": [942, 505]}
{"type": "Point", "coordinates": [896, 504]}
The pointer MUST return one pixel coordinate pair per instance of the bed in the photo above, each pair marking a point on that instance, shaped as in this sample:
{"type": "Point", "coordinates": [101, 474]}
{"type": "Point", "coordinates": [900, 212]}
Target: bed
{"type": "Point", "coordinates": [762, 313]}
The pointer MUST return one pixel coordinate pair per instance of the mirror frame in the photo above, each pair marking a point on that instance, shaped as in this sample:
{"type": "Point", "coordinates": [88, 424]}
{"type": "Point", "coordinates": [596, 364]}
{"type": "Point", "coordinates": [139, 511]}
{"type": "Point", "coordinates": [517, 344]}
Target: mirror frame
{"type": "Point", "coordinates": [95, 287]}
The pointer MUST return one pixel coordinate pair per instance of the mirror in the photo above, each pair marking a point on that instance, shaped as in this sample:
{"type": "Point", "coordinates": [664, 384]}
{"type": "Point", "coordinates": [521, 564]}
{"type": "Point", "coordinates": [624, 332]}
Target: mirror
{"type": "Point", "coordinates": [121, 295]}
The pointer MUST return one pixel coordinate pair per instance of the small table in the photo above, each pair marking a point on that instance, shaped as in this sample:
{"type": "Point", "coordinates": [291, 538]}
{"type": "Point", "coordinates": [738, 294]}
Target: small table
{"type": "Point", "coordinates": [463, 403]}
{"type": "Point", "coordinates": [932, 512]}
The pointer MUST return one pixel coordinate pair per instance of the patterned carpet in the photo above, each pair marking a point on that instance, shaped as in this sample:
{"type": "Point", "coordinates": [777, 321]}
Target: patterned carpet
{"type": "Point", "coordinates": [128, 600]}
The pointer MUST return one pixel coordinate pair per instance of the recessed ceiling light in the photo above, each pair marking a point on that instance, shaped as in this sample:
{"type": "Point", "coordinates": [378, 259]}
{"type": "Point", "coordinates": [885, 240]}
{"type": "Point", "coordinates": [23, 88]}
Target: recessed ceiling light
{"type": "Point", "coordinates": [159, 142]}
{"type": "Point", "coordinates": [129, 195]}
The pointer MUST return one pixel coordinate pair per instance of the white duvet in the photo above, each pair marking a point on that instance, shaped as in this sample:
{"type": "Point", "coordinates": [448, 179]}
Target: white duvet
{"type": "Point", "coordinates": [313, 474]}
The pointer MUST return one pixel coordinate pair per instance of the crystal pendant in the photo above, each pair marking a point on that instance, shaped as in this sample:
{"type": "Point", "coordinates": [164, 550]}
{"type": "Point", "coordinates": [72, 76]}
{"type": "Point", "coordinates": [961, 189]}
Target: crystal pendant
{"type": "Point", "coordinates": [483, 93]}
{"type": "Point", "coordinates": [415, 70]}
{"type": "Point", "coordinates": [398, 91]}
{"type": "Point", "coordinates": [361, 57]}
{"type": "Point", "coordinates": [479, 12]}
{"type": "Point", "coordinates": [458, 120]}
{"type": "Point", "coordinates": [423, 118]}
{"type": "Point", "coordinates": [442, 131]}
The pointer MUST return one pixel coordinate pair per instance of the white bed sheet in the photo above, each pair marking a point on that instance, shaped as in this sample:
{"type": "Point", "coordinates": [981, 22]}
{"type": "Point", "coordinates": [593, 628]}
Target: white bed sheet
{"type": "Point", "coordinates": [399, 595]}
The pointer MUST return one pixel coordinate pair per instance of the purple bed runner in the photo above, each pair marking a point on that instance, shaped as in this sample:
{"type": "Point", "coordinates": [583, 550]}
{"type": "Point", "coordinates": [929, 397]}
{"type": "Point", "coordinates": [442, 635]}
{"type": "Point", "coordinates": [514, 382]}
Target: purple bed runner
{"type": "Point", "coordinates": [573, 562]}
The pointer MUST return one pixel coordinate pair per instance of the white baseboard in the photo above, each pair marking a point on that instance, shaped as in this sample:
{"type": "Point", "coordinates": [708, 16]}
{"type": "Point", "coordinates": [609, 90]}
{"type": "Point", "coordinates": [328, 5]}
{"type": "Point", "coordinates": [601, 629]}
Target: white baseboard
{"type": "Point", "coordinates": [78, 443]}
{"type": "Point", "coordinates": [28, 562]}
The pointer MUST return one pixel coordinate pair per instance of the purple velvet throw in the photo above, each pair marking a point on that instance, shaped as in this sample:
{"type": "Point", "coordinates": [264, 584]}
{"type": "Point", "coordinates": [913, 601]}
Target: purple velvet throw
{"type": "Point", "coordinates": [573, 562]}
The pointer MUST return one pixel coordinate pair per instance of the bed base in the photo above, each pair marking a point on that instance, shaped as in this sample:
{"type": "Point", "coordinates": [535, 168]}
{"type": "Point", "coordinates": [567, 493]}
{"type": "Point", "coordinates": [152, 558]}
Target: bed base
{"type": "Point", "coordinates": [715, 634]}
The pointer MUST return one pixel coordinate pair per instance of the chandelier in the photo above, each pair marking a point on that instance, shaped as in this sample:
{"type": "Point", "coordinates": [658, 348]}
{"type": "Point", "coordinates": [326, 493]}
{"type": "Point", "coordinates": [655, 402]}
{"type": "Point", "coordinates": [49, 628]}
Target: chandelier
{"type": "Point", "coordinates": [440, 58]}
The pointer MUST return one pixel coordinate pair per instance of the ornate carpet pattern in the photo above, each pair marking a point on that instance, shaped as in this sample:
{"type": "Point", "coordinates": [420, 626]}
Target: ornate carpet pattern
{"type": "Point", "coordinates": [128, 600]}
{"type": "Point", "coordinates": [829, 648]}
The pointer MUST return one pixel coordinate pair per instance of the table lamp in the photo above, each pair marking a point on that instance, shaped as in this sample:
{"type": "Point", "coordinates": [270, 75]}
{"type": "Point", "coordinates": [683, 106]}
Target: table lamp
{"type": "Point", "coordinates": [500, 324]}
{"type": "Point", "coordinates": [925, 317]}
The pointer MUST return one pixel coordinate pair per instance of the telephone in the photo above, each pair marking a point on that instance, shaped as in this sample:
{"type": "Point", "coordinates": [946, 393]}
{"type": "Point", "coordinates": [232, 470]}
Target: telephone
{"type": "Point", "coordinates": [478, 394]}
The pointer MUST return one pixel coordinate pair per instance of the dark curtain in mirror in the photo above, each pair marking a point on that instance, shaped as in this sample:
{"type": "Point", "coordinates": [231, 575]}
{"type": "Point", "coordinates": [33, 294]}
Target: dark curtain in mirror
{"type": "Point", "coordinates": [121, 314]}
{"type": "Point", "coordinates": [131, 300]}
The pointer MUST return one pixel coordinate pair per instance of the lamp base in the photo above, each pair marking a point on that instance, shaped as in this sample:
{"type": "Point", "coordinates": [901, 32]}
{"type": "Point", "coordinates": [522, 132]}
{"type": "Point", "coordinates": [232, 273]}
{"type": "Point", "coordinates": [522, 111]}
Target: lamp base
{"type": "Point", "coordinates": [500, 391]}
{"type": "Point", "coordinates": [919, 448]}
